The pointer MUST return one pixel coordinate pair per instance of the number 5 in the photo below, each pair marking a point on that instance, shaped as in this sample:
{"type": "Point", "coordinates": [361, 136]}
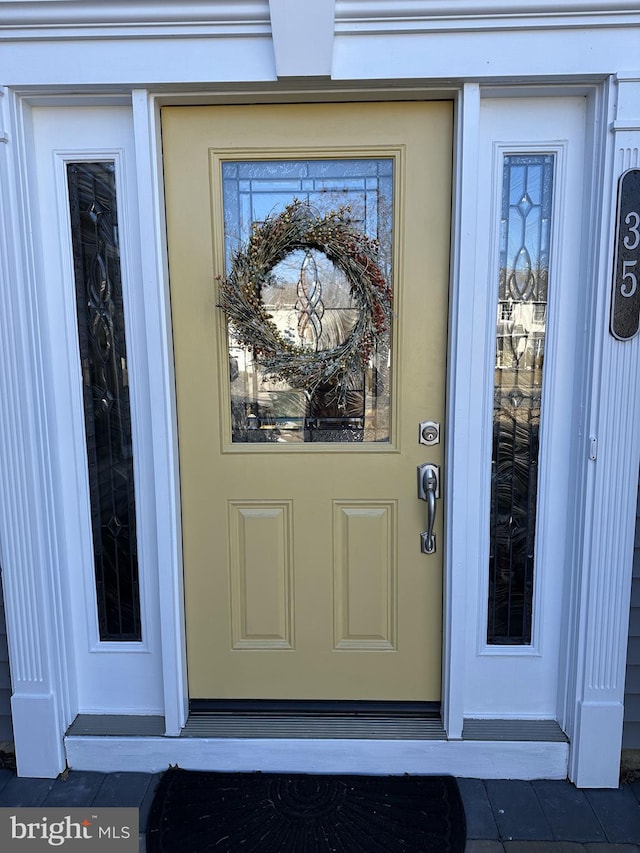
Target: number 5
{"type": "Point", "coordinates": [628, 289]}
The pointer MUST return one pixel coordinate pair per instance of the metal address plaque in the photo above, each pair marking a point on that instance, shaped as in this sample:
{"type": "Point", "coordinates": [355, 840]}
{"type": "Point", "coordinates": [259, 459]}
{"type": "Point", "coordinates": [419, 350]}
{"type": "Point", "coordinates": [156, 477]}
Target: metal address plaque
{"type": "Point", "coordinates": [625, 306]}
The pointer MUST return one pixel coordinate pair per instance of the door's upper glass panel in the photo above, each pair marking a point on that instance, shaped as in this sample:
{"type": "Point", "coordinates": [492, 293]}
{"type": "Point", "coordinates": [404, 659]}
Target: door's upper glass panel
{"type": "Point", "coordinates": [310, 301]}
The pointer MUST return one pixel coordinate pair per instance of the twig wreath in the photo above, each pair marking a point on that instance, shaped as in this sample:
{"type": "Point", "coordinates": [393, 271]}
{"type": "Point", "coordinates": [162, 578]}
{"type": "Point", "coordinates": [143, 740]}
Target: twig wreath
{"type": "Point", "coordinates": [300, 226]}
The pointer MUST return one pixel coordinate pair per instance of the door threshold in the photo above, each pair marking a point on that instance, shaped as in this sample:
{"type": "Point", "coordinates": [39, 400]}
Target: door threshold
{"type": "Point", "coordinates": [359, 720]}
{"type": "Point", "coordinates": [323, 726]}
{"type": "Point", "coordinates": [334, 725]}
{"type": "Point", "coordinates": [303, 707]}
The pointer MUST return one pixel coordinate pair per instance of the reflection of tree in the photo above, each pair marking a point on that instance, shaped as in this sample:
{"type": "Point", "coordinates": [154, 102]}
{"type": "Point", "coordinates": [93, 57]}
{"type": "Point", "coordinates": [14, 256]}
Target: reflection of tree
{"type": "Point", "coordinates": [377, 224]}
{"type": "Point", "coordinates": [518, 387]}
{"type": "Point", "coordinates": [514, 495]}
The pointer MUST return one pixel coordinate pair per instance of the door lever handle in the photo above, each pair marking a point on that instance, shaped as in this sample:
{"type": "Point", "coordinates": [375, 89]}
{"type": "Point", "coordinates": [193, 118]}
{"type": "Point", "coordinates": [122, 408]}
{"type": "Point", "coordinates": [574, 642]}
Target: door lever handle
{"type": "Point", "coordinates": [429, 491]}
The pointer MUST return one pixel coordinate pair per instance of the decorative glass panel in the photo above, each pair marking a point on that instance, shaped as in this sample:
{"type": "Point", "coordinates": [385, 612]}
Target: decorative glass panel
{"type": "Point", "coordinates": [103, 355]}
{"type": "Point", "coordinates": [521, 327]}
{"type": "Point", "coordinates": [310, 300]}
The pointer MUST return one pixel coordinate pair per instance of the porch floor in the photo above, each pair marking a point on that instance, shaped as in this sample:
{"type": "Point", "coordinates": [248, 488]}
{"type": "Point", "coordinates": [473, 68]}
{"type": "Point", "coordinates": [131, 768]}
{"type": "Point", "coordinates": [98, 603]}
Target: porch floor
{"type": "Point", "coordinates": [503, 816]}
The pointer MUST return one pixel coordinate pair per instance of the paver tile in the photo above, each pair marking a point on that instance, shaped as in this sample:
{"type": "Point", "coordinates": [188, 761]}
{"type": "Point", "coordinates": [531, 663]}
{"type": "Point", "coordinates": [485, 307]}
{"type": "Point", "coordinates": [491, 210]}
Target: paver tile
{"type": "Point", "coordinates": [618, 811]}
{"type": "Point", "coordinates": [543, 847]}
{"type": "Point", "coordinates": [517, 811]}
{"type": "Point", "coordinates": [148, 800]}
{"type": "Point", "coordinates": [5, 775]}
{"type": "Point", "coordinates": [483, 845]}
{"type": "Point", "coordinates": [568, 811]}
{"type": "Point", "coordinates": [23, 791]}
{"type": "Point", "coordinates": [480, 820]}
{"type": "Point", "coordinates": [599, 847]}
{"type": "Point", "coordinates": [78, 789]}
{"type": "Point", "coordinates": [123, 789]}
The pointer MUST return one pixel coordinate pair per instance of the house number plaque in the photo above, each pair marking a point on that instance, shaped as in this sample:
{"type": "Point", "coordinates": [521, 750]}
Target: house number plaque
{"type": "Point", "coordinates": [625, 306]}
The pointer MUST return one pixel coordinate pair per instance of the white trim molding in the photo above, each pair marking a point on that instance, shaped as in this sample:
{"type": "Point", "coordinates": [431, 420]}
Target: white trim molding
{"type": "Point", "coordinates": [418, 16]}
{"type": "Point", "coordinates": [462, 461]}
{"type": "Point", "coordinates": [64, 19]}
{"type": "Point", "coordinates": [41, 19]}
{"type": "Point", "coordinates": [49, 44]}
{"type": "Point", "coordinates": [164, 437]}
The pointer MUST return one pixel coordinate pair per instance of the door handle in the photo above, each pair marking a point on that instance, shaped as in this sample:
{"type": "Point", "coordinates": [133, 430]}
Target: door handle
{"type": "Point", "coordinates": [429, 491]}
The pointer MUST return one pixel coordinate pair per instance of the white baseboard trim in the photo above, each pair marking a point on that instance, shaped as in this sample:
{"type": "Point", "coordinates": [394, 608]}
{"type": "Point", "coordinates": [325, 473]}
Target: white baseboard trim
{"type": "Point", "coordinates": [598, 723]}
{"type": "Point", "coordinates": [473, 759]}
{"type": "Point", "coordinates": [36, 735]}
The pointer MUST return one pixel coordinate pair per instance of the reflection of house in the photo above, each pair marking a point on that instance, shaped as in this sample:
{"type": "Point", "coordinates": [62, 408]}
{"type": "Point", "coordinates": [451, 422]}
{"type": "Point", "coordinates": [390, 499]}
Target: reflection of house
{"type": "Point", "coordinates": [545, 85]}
{"type": "Point", "coordinates": [520, 335]}
{"type": "Point", "coordinates": [309, 301]}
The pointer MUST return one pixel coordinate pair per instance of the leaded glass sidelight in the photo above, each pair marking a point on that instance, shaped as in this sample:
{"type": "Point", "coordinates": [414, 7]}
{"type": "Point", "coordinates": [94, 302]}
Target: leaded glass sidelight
{"type": "Point", "coordinates": [309, 300]}
{"type": "Point", "coordinates": [103, 356]}
{"type": "Point", "coordinates": [521, 330]}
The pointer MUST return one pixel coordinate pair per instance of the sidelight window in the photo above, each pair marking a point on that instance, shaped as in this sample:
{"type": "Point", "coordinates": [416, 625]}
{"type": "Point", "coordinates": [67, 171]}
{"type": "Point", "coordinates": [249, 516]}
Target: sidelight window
{"type": "Point", "coordinates": [523, 279]}
{"type": "Point", "coordinates": [105, 384]}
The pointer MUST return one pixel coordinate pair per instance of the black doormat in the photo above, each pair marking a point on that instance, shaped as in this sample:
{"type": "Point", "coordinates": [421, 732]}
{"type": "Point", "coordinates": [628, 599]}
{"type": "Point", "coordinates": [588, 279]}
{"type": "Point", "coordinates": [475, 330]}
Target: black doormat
{"type": "Point", "coordinates": [196, 812]}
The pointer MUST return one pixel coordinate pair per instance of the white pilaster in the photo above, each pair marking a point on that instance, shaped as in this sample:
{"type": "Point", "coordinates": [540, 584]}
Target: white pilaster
{"type": "Point", "coordinates": [603, 588]}
{"type": "Point", "coordinates": [32, 583]}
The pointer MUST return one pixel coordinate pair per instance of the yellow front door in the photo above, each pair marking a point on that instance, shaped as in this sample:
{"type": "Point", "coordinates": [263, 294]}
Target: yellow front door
{"type": "Point", "coordinates": [303, 571]}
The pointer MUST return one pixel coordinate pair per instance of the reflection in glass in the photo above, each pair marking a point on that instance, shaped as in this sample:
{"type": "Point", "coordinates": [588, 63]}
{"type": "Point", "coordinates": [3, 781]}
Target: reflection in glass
{"type": "Point", "coordinates": [103, 355]}
{"type": "Point", "coordinates": [309, 299]}
{"type": "Point", "coordinates": [521, 327]}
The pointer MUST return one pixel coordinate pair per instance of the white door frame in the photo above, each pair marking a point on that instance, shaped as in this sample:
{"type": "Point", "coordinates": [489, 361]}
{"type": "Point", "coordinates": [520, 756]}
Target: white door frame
{"type": "Point", "coordinates": [522, 681]}
{"type": "Point", "coordinates": [123, 676]}
{"type": "Point", "coordinates": [42, 669]}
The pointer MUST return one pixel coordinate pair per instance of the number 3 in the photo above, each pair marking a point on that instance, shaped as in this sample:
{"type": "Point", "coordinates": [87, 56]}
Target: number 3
{"type": "Point", "coordinates": [628, 290]}
{"type": "Point", "coordinates": [635, 218]}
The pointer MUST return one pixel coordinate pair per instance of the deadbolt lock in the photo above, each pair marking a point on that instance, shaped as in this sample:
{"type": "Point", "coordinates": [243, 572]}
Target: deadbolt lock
{"type": "Point", "coordinates": [429, 433]}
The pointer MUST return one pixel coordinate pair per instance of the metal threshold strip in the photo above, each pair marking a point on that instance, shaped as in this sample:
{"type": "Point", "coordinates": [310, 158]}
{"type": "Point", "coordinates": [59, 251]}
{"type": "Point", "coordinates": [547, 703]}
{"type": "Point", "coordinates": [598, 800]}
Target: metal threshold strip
{"type": "Point", "coordinates": [338, 726]}
{"type": "Point", "coordinates": [315, 719]}
{"type": "Point", "coordinates": [320, 726]}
